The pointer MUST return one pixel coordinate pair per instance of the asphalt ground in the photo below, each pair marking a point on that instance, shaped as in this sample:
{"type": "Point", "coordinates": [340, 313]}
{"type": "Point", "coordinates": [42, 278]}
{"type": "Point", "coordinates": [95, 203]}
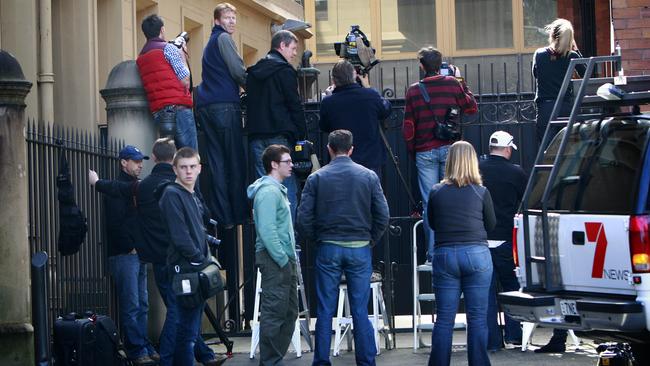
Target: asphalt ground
{"type": "Point", "coordinates": [404, 354]}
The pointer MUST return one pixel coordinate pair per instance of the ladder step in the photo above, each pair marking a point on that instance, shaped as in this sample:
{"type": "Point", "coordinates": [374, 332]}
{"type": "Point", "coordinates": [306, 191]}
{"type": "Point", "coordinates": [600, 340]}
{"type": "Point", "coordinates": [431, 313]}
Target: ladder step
{"type": "Point", "coordinates": [544, 166]}
{"type": "Point", "coordinates": [426, 297]}
{"type": "Point", "coordinates": [536, 259]}
{"type": "Point", "coordinates": [425, 326]}
{"type": "Point", "coordinates": [425, 267]}
{"type": "Point", "coordinates": [559, 122]}
{"type": "Point", "coordinates": [533, 212]}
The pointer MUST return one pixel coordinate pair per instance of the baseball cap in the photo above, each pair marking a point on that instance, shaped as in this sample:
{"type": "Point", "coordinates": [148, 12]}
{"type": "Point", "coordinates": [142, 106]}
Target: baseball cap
{"type": "Point", "coordinates": [502, 139]}
{"type": "Point", "coordinates": [130, 152]}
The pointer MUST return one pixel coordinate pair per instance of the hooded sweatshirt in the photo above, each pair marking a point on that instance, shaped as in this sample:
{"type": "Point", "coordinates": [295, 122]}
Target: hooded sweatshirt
{"type": "Point", "coordinates": [272, 217]}
{"type": "Point", "coordinates": [273, 103]}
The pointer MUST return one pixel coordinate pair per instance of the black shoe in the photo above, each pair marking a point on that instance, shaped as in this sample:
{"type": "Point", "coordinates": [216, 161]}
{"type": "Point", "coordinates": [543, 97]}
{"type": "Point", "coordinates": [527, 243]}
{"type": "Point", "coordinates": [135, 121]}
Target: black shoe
{"type": "Point", "coordinates": [217, 360]}
{"type": "Point", "coordinates": [552, 347]}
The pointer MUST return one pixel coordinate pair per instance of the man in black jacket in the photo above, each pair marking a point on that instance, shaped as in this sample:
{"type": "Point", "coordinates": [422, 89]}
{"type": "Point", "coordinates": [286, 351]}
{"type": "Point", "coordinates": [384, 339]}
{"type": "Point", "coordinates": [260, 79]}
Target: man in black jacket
{"type": "Point", "coordinates": [357, 108]}
{"type": "Point", "coordinates": [275, 112]}
{"type": "Point", "coordinates": [506, 182]}
{"type": "Point", "coordinates": [183, 216]}
{"type": "Point", "coordinates": [345, 223]}
{"type": "Point", "coordinates": [129, 273]}
{"type": "Point", "coordinates": [156, 242]}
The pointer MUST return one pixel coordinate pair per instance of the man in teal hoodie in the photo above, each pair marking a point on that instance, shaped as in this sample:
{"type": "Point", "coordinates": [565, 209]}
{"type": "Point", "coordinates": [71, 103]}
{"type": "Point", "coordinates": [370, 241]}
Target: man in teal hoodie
{"type": "Point", "coordinates": [275, 254]}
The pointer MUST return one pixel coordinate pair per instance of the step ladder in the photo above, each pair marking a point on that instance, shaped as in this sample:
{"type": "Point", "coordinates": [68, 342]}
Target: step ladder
{"type": "Point", "coordinates": [302, 322]}
{"type": "Point", "coordinates": [378, 319]}
{"type": "Point", "coordinates": [418, 269]}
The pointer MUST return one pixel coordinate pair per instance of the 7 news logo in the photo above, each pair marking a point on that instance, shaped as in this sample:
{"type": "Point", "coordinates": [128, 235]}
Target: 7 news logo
{"type": "Point", "coordinates": [596, 234]}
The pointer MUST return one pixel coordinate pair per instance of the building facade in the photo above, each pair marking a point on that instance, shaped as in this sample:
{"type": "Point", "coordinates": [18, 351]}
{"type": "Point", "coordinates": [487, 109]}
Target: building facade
{"type": "Point", "coordinates": [67, 48]}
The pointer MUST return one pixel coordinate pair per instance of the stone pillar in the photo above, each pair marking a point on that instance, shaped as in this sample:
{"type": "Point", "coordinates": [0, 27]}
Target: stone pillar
{"type": "Point", "coordinates": [16, 331]}
{"type": "Point", "coordinates": [129, 119]}
{"type": "Point", "coordinates": [127, 109]}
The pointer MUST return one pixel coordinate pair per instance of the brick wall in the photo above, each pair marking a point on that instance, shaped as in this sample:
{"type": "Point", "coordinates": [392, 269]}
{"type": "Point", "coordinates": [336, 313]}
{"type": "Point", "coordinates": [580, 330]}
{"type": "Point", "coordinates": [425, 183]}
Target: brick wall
{"type": "Point", "coordinates": [632, 30]}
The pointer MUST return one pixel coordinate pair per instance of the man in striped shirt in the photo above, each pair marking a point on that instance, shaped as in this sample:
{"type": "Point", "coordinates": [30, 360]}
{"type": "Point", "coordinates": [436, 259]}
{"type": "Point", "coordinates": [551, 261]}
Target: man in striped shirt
{"type": "Point", "coordinates": [420, 119]}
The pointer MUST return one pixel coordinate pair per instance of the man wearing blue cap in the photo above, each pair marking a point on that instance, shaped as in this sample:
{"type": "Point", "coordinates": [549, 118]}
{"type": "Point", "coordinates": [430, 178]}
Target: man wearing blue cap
{"type": "Point", "coordinates": [129, 274]}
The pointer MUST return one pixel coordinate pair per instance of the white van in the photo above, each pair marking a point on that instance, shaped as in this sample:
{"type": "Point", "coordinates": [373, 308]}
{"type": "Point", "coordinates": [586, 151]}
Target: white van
{"type": "Point", "coordinates": [595, 272]}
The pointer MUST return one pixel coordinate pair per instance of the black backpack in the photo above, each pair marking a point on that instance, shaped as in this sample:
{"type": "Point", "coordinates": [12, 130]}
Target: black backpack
{"type": "Point", "coordinates": [72, 223]}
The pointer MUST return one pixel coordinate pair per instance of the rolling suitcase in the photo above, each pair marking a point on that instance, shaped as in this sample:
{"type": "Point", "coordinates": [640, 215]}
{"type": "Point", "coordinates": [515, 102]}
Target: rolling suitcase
{"type": "Point", "coordinates": [74, 341]}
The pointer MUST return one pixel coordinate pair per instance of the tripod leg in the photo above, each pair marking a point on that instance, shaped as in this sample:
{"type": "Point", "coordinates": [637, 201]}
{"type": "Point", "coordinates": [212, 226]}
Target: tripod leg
{"type": "Point", "coordinates": [217, 328]}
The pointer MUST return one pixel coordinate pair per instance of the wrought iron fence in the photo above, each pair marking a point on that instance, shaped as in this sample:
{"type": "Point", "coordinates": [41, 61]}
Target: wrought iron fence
{"type": "Point", "coordinates": [78, 282]}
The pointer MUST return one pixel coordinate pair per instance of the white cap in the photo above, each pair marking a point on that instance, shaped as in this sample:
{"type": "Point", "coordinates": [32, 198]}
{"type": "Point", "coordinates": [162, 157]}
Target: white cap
{"type": "Point", "coordinates": [502, 139]}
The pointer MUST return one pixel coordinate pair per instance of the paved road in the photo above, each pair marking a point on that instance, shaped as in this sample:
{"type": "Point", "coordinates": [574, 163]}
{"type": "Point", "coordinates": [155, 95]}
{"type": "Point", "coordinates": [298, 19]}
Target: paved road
{"type": "Point", "coordinates": [585, 355]}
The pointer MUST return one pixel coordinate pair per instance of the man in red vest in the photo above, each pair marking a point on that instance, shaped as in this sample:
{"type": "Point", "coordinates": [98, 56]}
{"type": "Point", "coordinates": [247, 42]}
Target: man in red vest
{"type": "Point", "coordinates": [166, 79]}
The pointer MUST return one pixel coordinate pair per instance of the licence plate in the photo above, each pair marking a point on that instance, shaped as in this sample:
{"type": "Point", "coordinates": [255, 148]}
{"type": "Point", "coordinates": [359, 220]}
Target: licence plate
{"type": "Point", "coordinates": [568, 307]}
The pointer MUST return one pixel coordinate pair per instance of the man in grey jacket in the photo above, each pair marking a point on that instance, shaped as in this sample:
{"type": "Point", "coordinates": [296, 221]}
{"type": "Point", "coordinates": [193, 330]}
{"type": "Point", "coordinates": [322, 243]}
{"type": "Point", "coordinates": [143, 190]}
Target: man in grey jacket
{"type": "Point", "coordinates": [218, 112]}
{"type": "Point", "coordinates": [345, 223]}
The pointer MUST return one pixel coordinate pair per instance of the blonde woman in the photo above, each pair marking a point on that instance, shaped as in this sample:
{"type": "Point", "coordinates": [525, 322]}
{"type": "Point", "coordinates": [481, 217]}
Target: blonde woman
{"type": "Point", "coordinates": [550, 64]}
{"type": "Point", "coordinates": [460, 212]}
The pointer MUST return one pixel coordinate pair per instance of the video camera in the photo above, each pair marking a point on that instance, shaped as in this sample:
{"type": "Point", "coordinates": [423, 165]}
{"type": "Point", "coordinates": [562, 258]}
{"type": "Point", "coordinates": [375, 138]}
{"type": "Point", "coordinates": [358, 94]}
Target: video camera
{"type": "Point", "coordinates": [357, 50]}
{"type": "Point", "coordinates": [180, 40]}
{"type": "Point", "coordinates": [301, 157]}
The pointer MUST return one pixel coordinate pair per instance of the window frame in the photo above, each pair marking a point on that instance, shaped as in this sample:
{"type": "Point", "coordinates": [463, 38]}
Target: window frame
{"type": "Point", "coordinates": [445, 33]}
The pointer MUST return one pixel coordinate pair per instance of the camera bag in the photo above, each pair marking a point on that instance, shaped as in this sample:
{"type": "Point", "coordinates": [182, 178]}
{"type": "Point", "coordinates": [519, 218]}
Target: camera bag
{"type": "Point", "coordinates": [193, 285]}
{"type": "Point", "coordinates": [447, 128]}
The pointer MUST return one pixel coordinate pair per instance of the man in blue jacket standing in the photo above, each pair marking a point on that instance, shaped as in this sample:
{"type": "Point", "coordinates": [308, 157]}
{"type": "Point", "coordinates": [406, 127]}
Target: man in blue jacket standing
{"type": "Point", "coordinates": [358, 109]}
{"type": "Point", "coordinates": [345, 224]}
{"type": "Point", "coordinates": [275, 254]}
{"type": "Point", "coordinates": [219, 113]}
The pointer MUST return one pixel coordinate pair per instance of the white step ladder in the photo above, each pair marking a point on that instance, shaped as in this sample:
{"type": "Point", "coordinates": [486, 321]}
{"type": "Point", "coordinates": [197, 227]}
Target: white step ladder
{"type": "Point", "coordinates": [418, 325]}
{"type": "Point", "coordinates": [378, 318]}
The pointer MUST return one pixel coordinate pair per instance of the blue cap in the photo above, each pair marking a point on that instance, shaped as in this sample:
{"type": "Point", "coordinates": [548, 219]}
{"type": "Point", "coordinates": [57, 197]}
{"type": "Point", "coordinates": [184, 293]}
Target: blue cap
{"type": "Point", "coordinates": [130, 152]}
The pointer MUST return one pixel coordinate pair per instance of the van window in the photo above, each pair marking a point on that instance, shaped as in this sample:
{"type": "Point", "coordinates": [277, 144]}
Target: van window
{"type": "Point", "coordinates": [599, 169]}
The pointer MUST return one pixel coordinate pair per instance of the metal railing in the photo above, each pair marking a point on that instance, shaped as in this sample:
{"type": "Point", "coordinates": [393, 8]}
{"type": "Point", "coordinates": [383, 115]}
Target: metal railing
{"type": "Point", "coordinates": [78, 282]}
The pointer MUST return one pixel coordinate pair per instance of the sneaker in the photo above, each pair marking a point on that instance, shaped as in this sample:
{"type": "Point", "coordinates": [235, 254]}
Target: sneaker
{"type": "Point", "coordinates": [143, 361]}
{"type": "Point", "coordinates": [217, 360]}
{"type": "Point", "coordinates": [155, 356]}
{"type": "Point", "coordinates": [552, 348]}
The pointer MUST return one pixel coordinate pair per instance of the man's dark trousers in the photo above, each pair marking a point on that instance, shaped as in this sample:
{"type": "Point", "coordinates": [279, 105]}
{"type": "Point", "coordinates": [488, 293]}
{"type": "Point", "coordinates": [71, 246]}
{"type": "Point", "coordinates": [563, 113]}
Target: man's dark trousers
{"type": "Point", "coordinates": [222, 125]}
{"type": "Point", "coordinates": [278, 307]}
{"type": "Point", "coordinates": [504, 266]}
{"type": "Point", "coordinates": [202, 352]}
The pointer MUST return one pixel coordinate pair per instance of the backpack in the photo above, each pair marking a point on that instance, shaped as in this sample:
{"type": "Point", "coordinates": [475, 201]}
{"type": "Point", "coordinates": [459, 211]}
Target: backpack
{"type": "Point", "coordinates": [72, 223]}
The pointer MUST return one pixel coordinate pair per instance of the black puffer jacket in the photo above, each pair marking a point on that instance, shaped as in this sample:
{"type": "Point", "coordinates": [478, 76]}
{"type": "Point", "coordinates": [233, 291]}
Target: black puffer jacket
{"type": "Point", "coordinates": [273, 104]}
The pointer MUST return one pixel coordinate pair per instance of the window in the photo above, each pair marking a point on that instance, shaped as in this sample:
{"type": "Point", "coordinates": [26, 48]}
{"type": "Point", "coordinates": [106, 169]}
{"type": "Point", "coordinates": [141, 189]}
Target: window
{"type": "Point", "coordinates": [407, 25]}
{"type": "Point", "coordinates": [602, 159]}
{"type": "Point", "coordinates": [483, 24]}
{"type": "Point", "coordinates": [333, 21]}
{"type": "Point", "coordinates": [537, 14]}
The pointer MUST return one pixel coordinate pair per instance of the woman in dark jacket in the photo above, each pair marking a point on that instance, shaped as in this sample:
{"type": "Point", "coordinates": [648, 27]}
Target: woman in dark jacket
{"type": "Point", "coordinates": [550, 64]}
{"type": "Point", "coordinates": [461, 213]}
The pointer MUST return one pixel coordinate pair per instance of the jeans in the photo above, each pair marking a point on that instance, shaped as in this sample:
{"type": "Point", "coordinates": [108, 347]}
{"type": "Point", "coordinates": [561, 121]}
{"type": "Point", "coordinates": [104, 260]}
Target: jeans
{"type": "Point", "coordinates": [466, 268]}
{"type": "Point", "coordinates": [185, 134]}
{"type": "Point", "coordinates": [544, 110]}
{"type": "Point", "coordinates": [504, 267]}
{"type": "Point", "coordinates": [189, 325]}
{"type": "Point", "coordinates": [431, 170]}
{"type": "Point", "coordinates": [331, 261]}
{"type": "Point", "coordinates": [222, 125]}
{"type": "Point", "coordinates": [202, 352]}
{"type": "Point", "coordinates": [257, 147]}
{"type": "Point", "coordinates": [130, 278]}
{"type": "Point", "coordinates": [279, 308]}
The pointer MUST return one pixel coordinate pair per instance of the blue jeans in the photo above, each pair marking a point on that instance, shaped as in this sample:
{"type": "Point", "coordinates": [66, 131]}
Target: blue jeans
{"type": "Point", "coordinates": [222, 125]}
{"type": "Point", "coordinates": [185, 134]}
{"type": "Point", "coordinates": [466, 268]}
{"type": "Point", "coordinates": [188, 326]}
{"type": "Point", "coordinates": [257, 147]}
{"type": "Point", "coordinates": [202, 352]}
{"type": "Point", "coordinates": [331, 261]}
{"type": "Point", "coordinates": [130, 278]}
{"type": "Point", "coordinates": [504, 267]}
{"type": "Point", "coordinates": [431, 170]}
